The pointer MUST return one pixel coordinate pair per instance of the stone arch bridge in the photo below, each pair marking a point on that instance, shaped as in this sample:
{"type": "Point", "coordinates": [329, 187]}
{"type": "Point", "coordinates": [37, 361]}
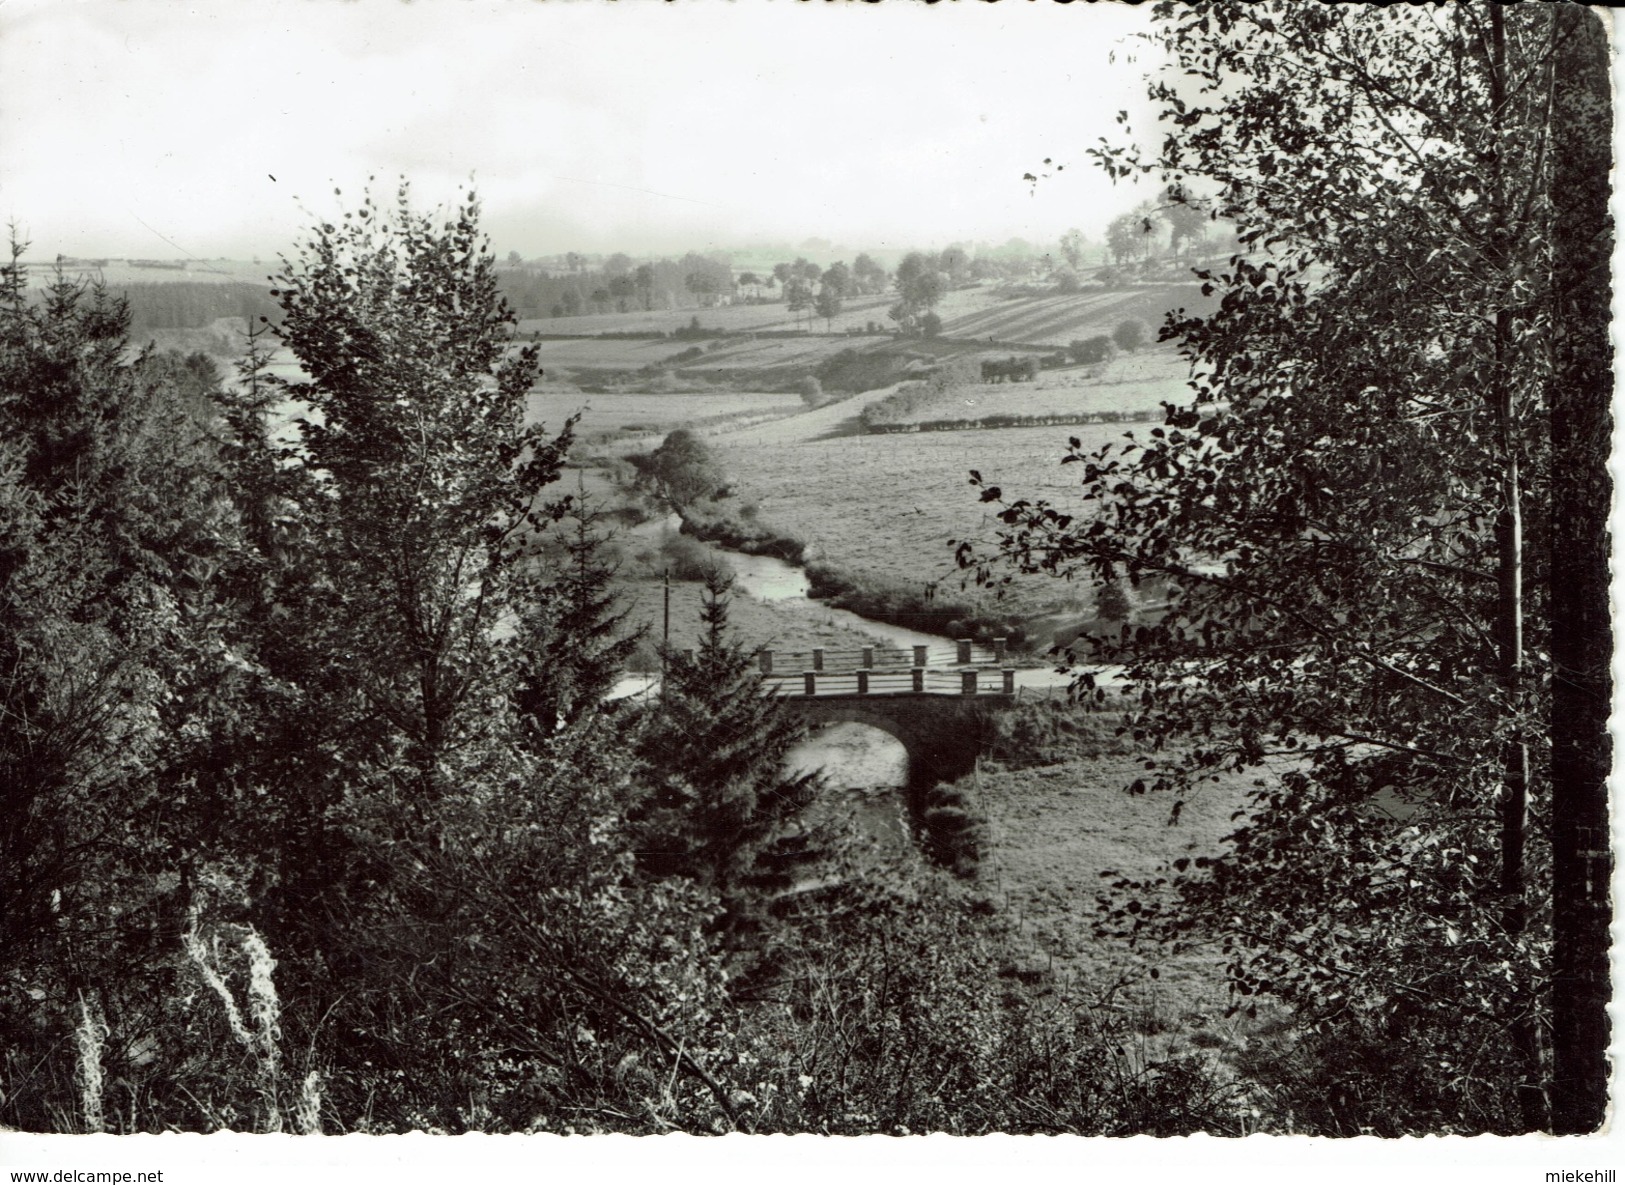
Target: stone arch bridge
{"type": "Point", "coordinates": [939, 703]}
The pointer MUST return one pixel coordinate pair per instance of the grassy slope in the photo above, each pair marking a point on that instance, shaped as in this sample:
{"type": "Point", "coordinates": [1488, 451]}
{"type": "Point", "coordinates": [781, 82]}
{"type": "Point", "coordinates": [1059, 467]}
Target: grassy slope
{"type": "Point", "coordinates": [753, 623]}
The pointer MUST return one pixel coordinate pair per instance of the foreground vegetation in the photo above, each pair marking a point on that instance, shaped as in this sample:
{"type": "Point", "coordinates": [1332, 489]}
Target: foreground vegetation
{"type": "Point", "coordinates": [316, 818]}
{"type": "Point", "coordinates": [1355, 514]}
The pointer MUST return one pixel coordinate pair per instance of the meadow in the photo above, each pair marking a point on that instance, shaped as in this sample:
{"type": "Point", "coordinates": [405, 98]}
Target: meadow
{"type": "Point", "coordinates": [874, 508]}
{"type": "Point", "coordinates": [734, 318]}
{"type": "Point", "coordinates": [1130, 383]}
{"type": "Point", "coordinates": [889, 505]}
{"type": "Point", "coordinates": [617, 412]}
{"type": "Point", "coordinates": [1057, 319]}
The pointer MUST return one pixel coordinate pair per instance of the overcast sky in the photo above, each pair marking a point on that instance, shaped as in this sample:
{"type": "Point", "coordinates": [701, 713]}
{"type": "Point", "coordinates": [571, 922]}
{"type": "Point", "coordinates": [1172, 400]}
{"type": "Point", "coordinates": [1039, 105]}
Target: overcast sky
{"type": "Point", "coordinates": [159, 129]}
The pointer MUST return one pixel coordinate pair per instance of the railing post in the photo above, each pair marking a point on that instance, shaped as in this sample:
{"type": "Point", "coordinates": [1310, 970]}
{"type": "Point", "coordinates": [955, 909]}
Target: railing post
{"type": "Point", "coordinates": [869, 657]}
{"type": "Point", "coordinates": [809, 682]}
{"type": "Point", "coordinates": [967, 682]}
{"type": "Point", "coordinates": [964, 652]}
{"type": "Point", "coordinates": [919, 678]}
{"type": "Point", "coordinates": [919, 658]}
{"type": "Point", "coordinates": [998, 650]}
{"type": "Point", "coordinates": [765, 657]}
{"type": "Point", "coordinates": [863, 682]}
{"type": "Point", "coordinates": [818, 658]}
{"type": "Point", "coordinates": [1009, 680]}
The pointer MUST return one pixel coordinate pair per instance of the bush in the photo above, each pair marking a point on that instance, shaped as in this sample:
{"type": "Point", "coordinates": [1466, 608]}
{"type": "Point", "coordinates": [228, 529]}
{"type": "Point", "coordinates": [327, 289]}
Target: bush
{"type": "Point", "coordinates": [1130, 335]}
{"type": "Point", "coordinates": [810, 390]}
{"type": "Point", "coordinates": [1094, 350]}
{"type": "Point", "coordinates": [1039, 732]}
{"type": "Point", "coordinates": [930, 325]}
{"type": "Point", "coordinates": [855, 372]}
{"type": "Point", "coordinates": [909, 605]}
{"type": "Point", "coordinates": [742, 534]}
{"type": "Point", "coordinates": [689, 559]}
{"type": "Point", "coordinates": [1114, 602]}
{"type": "Point", "coordinates": [951, 830]}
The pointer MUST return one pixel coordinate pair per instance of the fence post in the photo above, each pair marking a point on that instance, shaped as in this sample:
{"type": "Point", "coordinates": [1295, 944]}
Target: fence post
{"type": "Point", "coordinates": [919, 679]}
{"type": "Point", "coordinates": [810, 682]}
{"type": "Point", "coordinates": [863, 682]}
{"type": "Point", "coordinates": [967, 682]}
{"type": "Point", "coordinates": [1009, 680]}
{"type": "Point", "coordinates": [869, 656]}
{"type": "Point", "coordinates": [818, 658]}
{"type": "Point", "coordinates": [765, 657]}
{"type": "Point", "coordinates": [919, 657]}
{"type": "Point", "coordinates": [998, 650]}
{"type": "Point", "coordinates": [964, 652]}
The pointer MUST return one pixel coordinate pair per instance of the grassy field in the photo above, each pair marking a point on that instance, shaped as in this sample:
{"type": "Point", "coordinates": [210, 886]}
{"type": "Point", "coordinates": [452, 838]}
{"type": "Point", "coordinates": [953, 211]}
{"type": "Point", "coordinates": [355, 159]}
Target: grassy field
{"type": "Point", "coordinates": [982, 313]}
{"type": "Point", "coordinates": [888, 505]}
{"type": "Point", "coordinates": [724, 360]}
{"type": "Point", "coordinates": [1129, 383]}
{"type": "Point", "coordinates": [601, 413]}
{"type": "Point", "coordinates": [736, 318]}
{"type": "Point", "coordinates": [754, 624]}
{"type": "Point", "coordinates": [117, 272]}
{"type": "Point", "coordinates": [1051, 833]}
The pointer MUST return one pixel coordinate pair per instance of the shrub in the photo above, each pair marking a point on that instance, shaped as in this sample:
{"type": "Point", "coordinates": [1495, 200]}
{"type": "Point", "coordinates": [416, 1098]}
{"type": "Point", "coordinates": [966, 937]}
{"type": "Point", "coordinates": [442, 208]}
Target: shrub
{"type": "Point", "coordinates": [1114, 602]}
{"type": "Point", "coordinates": [1094, 350]}
{"type": "Point", "coordinates": [930, 325]}
{"type": "Point", "coordinates": [951, 830]}
{"type": "Point", "coordinates": [1039, 732]}
{"type": "Point", "coordinates": [855, 372]}
{"type": "Point", "coordinates": [689, 559]}
{"type": "Point", "coordinates": [909, 605]}
{"type": "Point", "coordinates": [1130, 335]}
{"type": "Point", "coordinates": [742, 534]}
{"type": "Point", "coordinates": [810, 390]}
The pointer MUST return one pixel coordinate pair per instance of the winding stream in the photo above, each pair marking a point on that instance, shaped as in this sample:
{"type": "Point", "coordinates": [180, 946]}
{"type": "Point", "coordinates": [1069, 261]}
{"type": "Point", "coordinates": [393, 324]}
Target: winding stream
{"type": "Point", "coordinates": [863, 762]}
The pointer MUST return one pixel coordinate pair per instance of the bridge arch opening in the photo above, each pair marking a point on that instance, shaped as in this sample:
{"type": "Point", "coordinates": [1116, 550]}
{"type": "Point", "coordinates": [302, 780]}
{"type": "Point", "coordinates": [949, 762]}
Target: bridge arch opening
{"type": "Point", "coordinates": [866, 769]}
{"type": "Point", "coordinates": [852, 753]}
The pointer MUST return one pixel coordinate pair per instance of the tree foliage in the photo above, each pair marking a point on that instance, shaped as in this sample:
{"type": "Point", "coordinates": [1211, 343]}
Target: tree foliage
{"type": "Point", "coordinates": [720, 810]}
{"type": "Point", "coordinates": [1350, 516]}
{"type": "Point", "coordinates": [680, 472]}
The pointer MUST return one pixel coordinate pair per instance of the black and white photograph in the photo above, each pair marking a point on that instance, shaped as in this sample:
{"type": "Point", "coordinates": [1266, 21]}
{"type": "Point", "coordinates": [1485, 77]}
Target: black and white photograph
{"type": "Point", "coordinates": [910, 575]}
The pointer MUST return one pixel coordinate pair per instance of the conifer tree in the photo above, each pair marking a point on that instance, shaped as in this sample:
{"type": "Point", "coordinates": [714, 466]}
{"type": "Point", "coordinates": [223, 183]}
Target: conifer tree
{"type": "Point", "coordinates": [572, 638]}
{"type": "Point", "coordinates": [719, 808]}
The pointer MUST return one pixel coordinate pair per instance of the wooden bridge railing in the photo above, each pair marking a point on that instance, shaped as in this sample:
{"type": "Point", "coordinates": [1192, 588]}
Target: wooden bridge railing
{"type": "Point", "coordinates": [963, 669]}
{"type": "Point", "coordinates": [962, 653]}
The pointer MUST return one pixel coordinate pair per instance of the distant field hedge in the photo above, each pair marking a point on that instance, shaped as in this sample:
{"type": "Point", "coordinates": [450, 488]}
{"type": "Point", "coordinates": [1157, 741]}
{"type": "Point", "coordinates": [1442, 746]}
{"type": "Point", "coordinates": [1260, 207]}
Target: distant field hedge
{"type": "Point", "coordinates": [1009, 420]}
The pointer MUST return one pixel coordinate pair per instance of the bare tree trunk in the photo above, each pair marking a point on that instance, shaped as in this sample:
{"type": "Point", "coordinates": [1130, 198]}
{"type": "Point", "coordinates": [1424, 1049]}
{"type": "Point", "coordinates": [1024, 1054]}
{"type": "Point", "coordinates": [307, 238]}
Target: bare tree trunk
{"type": "Point", "coordinates": [1509, 626]}
{"type": "Point", "coordinates": [1581, 639]}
